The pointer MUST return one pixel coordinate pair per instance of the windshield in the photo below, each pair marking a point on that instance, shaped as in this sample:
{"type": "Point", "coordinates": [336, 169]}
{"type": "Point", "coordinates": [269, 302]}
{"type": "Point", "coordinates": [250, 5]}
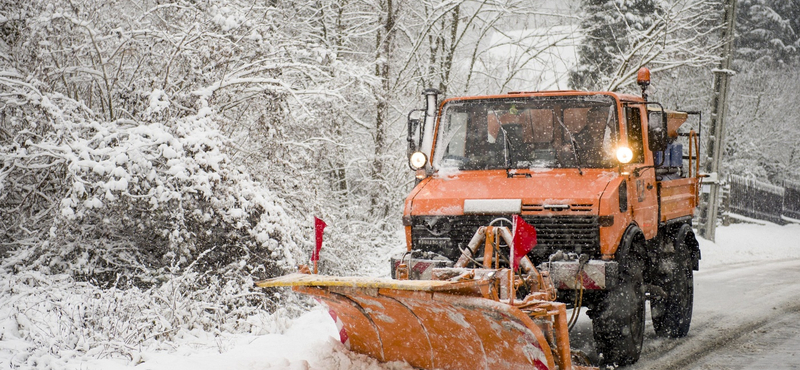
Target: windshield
{"type": "Point", "coordinates": [529, 132]}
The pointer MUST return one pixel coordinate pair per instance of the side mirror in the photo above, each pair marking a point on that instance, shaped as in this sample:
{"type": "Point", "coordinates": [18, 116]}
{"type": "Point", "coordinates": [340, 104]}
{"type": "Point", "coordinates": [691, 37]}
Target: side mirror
{"type": "Point", "coordinates": [657, 129]}
{"type": "Point", "coordinates": [414, 130]}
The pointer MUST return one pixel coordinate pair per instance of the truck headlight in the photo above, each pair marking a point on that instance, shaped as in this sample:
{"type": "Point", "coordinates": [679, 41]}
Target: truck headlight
{"type": "Point", "coordinates": [624, 154]}
{"type": "Point", "coordinates": [417, 160]}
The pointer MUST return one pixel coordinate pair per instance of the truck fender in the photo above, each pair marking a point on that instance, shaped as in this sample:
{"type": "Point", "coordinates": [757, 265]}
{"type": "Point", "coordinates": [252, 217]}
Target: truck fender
{"type": "Point", "coordinates": [627, 246]}
{"type": "Point", "coordinates": [685, 233]}
{"type": "Point", "coordinates": [626, 242]}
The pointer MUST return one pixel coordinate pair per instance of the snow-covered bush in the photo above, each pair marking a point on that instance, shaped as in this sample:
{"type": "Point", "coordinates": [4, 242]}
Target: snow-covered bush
{"type": "Point", "coordinates": [126, 203]}
{"type": "Point", "coordinates": [121, 236]}
{"type": "Point", "coordinates": [52, 320]}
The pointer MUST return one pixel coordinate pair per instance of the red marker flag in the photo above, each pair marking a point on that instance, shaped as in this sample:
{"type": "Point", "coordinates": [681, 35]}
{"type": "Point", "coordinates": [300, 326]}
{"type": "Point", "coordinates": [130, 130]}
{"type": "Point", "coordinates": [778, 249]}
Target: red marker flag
{"type": "Point", "coordinates": [524, 240]}
{"type": "Point", "coordinates": [319, 227]}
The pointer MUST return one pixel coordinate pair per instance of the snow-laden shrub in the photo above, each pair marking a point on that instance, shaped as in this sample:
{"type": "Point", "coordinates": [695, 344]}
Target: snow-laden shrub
{"type": "Point", "coordinates": [53, 319]}
{"type": "Point", "coordinates": [129, 235]}
{"type": "Point", "coordinates": [124, 202]}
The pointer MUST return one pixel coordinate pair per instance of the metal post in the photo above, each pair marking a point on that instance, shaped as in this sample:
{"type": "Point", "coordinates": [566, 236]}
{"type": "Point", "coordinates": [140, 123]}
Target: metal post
{"type": "Point", "coordinates": [717, 130]}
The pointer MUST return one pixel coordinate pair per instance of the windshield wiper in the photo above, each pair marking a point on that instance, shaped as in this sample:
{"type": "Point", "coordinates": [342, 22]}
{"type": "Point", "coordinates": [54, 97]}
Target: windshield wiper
{"type": "Point", "coordinates": [506, 151]}
{"type": "Point", "coordinates": [505, 147]}
{"type": "Point", "coordinates": [573, 142]}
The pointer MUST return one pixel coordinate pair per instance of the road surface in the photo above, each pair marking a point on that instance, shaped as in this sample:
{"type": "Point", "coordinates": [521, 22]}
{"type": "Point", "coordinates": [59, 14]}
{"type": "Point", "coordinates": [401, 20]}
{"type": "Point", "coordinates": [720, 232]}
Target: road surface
{"type": "Point", "coordinates": [746, 316]}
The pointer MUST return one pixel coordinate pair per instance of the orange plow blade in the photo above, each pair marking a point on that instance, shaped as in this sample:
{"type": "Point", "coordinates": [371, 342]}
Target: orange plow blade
{"type": "Point", "coordinates": [428, 324]}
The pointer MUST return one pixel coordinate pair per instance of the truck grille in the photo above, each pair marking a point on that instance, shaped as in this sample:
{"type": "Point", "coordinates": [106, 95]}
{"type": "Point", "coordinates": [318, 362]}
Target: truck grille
{"type": "Point", "coordinates": [579, 234]}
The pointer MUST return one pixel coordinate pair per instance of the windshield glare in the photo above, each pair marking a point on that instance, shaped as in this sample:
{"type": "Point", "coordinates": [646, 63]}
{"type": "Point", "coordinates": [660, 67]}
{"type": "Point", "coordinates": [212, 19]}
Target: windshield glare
{"type": "Point", "coordinates": [531, 132]}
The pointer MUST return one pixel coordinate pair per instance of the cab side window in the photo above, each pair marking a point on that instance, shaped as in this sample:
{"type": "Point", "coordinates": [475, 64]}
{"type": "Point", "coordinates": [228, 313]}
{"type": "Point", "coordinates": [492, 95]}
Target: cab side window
{"type": "Point", "coordinates": [634, 127]}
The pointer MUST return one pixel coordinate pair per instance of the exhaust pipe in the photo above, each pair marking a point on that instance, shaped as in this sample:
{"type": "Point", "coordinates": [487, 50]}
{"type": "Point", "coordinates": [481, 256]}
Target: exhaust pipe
{"type": "Point", "coordinates": [431, 105]}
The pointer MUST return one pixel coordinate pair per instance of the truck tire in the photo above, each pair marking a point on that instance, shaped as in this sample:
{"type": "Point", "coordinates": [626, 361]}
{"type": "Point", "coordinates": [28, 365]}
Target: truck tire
{"type": "Point", "coordinates": [618, 316]}
{"type": "Point", "coordinates": [672, 312]}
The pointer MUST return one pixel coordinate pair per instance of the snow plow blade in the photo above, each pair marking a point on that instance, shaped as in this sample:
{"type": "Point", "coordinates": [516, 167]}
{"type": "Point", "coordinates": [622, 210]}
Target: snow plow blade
{"type": "Point", "coordinates": [458, 318]}
{"type": "Point", "coordinates": [433, 324]}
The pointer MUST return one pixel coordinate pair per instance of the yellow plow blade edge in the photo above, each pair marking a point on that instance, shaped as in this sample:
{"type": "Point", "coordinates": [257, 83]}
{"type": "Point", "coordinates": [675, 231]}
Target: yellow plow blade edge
{"type": "Point", "coordinates": [428, 324]}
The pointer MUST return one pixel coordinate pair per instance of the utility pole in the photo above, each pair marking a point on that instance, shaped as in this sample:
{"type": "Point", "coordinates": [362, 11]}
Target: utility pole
{"type": "Point", "coordinates": [722, 77]}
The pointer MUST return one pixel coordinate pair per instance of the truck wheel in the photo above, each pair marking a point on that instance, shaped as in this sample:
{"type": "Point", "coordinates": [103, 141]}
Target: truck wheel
{"type": "Point", "coordinates": [618, 317]}
{"type": "Point", "coordinates": [672, 313]}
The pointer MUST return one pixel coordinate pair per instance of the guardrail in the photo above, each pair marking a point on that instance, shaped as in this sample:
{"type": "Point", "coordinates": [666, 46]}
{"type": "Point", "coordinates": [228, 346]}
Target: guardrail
{"type": "Point", "coordinates": [791, 200]}
{"type": "Point", "coordinates": [764, 201]}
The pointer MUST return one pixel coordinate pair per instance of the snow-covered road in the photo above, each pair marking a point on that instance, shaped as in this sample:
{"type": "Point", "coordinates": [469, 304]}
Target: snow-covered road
{"type": "Point", "coordinates": [775, 347]}
{"type": "Point", "coordinates": [731, 303]}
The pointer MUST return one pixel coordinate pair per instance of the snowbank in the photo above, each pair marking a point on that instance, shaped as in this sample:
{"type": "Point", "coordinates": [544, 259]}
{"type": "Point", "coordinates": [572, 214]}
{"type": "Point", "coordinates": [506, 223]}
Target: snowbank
{"type": "Point", "coordinates": [309, 344]}
{"type": "Point", "coordinates": [750, 243]}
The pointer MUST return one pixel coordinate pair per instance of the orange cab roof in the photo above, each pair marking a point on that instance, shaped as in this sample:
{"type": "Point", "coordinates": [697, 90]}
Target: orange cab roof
{"type": "Point", "coordinates": [627, 97]}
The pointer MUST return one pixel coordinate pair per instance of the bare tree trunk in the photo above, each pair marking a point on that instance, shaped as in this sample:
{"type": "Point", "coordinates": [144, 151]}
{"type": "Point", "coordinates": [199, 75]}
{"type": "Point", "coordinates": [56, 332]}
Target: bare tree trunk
{"type": "Point", "coordinates": [341, 173]}
{"type": "Point", "coordinates": [447, 63]}
{"type": "Point", "coordinates": [383, 51]}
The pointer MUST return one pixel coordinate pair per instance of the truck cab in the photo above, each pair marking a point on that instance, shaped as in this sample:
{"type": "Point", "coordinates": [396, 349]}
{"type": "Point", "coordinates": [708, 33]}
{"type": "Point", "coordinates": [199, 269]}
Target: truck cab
{"type": "Point", "coordinates": [600, 175]}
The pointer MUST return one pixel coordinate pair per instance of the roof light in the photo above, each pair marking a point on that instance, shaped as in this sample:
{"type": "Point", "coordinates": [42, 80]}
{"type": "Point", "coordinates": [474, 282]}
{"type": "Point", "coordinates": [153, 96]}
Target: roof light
{"type": "Point", "coordinates": [643, 77]}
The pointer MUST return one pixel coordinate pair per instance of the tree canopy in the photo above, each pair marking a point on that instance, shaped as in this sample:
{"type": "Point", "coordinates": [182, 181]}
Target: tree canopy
{"type": "Point", "coordinates": [768, 30]}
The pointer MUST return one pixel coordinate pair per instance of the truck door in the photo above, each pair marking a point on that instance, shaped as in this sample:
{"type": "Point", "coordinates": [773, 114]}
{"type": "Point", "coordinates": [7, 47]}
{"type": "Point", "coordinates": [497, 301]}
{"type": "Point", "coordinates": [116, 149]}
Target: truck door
{"type": "Point", "coordinates": [642, 193]}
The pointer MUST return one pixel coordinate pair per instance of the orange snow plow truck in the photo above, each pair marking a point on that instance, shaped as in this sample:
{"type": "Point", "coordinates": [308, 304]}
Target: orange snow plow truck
{"type": "Point", "coordinates": [610, 183]}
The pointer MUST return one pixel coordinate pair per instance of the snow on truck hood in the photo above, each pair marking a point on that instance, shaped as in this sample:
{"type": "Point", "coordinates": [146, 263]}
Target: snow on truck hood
{"type": "Point", "coordinates": [493, 192]}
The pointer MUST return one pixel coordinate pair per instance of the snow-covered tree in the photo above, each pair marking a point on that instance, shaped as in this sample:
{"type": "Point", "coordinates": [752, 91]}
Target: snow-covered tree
{"type": "Point", "coordinates": [768, 30]}
{"type": "Point", "coordinates": [620, 36]}
{"type": "Point", "coordinates": [762, 136]}
{"type": "Point", "coordinates": [609, 28]}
